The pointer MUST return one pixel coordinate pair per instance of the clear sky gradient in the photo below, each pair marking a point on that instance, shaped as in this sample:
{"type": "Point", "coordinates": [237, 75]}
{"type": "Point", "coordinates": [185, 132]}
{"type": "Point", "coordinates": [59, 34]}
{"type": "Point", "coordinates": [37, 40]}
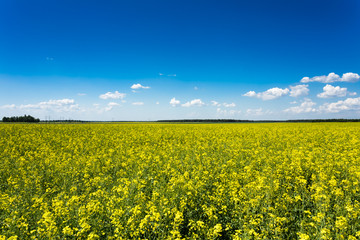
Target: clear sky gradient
{"type": "Point", "coordinates": [152, 60]}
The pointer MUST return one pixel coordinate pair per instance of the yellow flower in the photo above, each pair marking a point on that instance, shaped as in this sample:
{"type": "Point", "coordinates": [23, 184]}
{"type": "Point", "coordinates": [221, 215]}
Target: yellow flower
{"type": "Point", "coordinates": [217, 229]}
{"type": "Point", "coordinates": [303, 236]}
{"type": "Point", "coordinates": [341, 222]}
{"type": "Point", "coordinates": [67, 230]}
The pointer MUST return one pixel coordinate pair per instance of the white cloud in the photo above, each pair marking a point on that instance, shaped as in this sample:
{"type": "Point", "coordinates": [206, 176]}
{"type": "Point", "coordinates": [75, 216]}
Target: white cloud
{"type": "Point", "coordinates": [251, 94]}
{"type": "Point", "coordinates": [168, 75]}
{"type": "Point", "coordinates": [81, 94]}
{"type": "Point", "coordinates": [55, 105]}
{"type": "Point", "coordinates": [138, 86]}
{"type": "Point", "coordinates": [30, 106]}
{"type": "Point", "coordinates": [112, 95]}
{"type": "Point", "coordinates": [345, 105]}
{"type": "Point", "coordinates": [269, 94]}
{"type": "Point", "coordinates": [157, 103]}
{"type": "Point", "coordinates": [305, 107]}
{"type": "Point", "coordinates": [350, 77]}
{"type": "Point", "coordinates": [228, 105]}
{"type": "Point", "coordinates": [195, 102]}
{"type": "Point", "coordinates": [331, 91]}
{"type": "Point", "coordinates": [9, 106]}
{"type": "Point", "coordinates": [299, 90]}
{"type": "Point", "coordinates": [174, 102]}
{"type": "Point", "coordinates": [59, 102]}
{"type": "Point", "coordinates": [332, 77]}
{"type": "Point", "coordinates": [215, 103]}
{"type": "Point", "coordinates": [138, 103]}
{"type": "Point", "coordinates": [111, 105]}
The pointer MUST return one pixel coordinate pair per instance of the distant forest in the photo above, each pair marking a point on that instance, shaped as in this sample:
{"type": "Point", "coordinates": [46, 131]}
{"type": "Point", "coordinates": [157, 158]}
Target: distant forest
{"type": "Point", "coordinates": [25, 118]}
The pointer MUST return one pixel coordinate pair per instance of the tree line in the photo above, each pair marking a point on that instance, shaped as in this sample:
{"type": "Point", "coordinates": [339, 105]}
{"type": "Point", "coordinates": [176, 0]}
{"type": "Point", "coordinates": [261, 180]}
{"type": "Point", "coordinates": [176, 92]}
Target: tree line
{"type": "Point", "coordinates": [25, 118]}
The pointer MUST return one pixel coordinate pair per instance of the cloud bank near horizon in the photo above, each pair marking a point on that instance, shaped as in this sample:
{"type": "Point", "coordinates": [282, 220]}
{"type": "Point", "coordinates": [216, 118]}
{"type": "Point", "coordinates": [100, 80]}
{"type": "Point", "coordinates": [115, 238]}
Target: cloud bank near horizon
{"type": "Point", "coordinates": [310, 102]}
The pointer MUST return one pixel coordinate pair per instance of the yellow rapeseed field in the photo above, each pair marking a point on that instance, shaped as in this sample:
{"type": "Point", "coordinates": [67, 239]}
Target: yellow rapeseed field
{"type": "Point", "coordinates": [180, 181]}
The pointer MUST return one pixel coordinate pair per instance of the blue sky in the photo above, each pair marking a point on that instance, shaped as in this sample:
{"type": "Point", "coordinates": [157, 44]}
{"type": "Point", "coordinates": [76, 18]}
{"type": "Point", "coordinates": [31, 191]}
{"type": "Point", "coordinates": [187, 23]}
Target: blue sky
{"type": "Point", "coordinates": [152, 60]}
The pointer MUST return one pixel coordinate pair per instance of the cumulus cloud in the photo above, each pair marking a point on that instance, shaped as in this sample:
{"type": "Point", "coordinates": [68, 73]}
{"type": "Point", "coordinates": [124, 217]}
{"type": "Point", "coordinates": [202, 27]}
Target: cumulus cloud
{"type": "Point", "coordinates": [269, 94]}
{"type": "Point", "coordinates": [60, 102]}
{"type": "Point", "coordinates": [9, 106]}
{"type": "Point", "coordinates": [138, 103]}
{"type": "Point", "coordinates": [55, 105]}
{"type": "Point", "coordinates": [299, 90]}
{"type": "Point", "coordinates": [345, 105]}
{"type": "Point", "coordinates": [251, 94]}
{"type": "Point", "coordinates": [174, 102]}
{"type": "Point", "coordinates": [350, 77]}
{"type": "Point", "coordinates": [228, 105]}
{"type": "Point", "coordinates": [138, 86]}
{"type": "Point", "coordinates": [332, 77]}
{"type": "Point", "coordinates": [215, 103]}
{"type": "Point", "coordinates": [195, 102]}
{"type": "Point", "coordinates": [111, 105]}
{"type": "Point", "coordinates": [331, 91]}
{"type": "Point", "coordinates": [112, 95]}
{"type": "Point", "coordinates": [305, 107]}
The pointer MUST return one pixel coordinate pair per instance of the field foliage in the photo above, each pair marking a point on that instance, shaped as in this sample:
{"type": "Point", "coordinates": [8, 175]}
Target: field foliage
{"type": "Point", "coordinates": [180, 181]}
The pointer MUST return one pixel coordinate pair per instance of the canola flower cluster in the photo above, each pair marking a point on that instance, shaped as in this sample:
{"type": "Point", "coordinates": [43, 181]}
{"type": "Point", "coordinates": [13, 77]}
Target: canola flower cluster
{"type": "Point", "coordinates": [180, 181]}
